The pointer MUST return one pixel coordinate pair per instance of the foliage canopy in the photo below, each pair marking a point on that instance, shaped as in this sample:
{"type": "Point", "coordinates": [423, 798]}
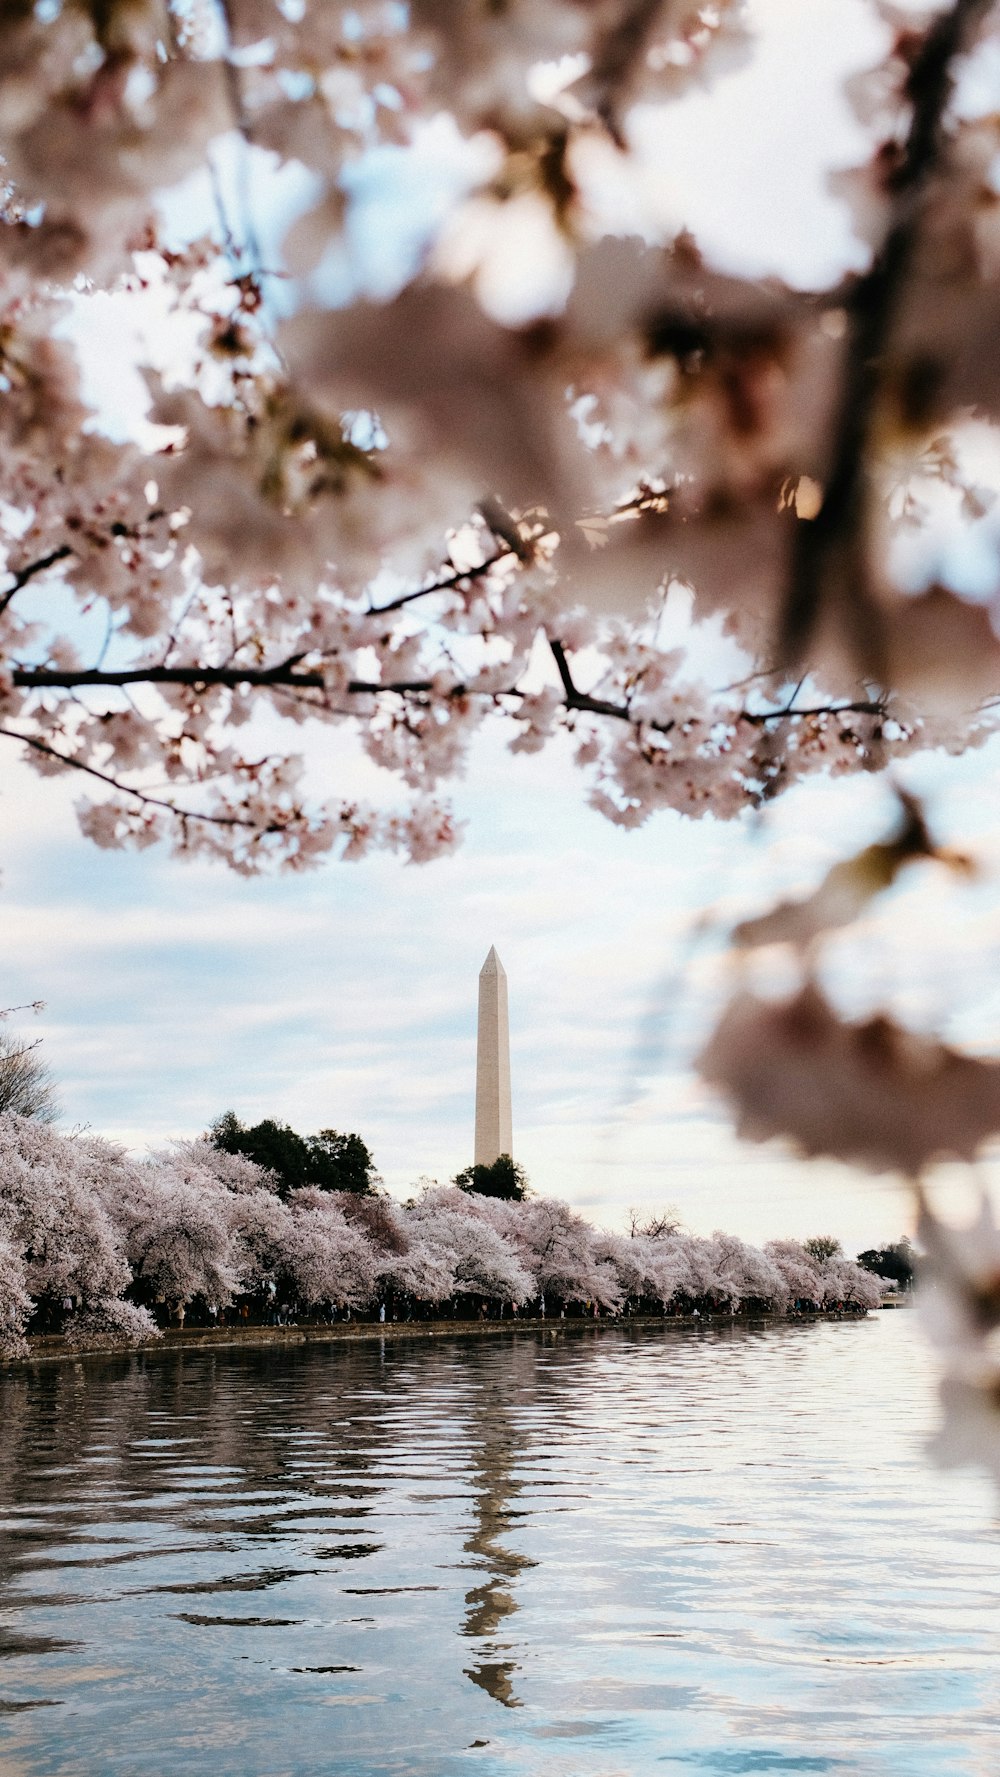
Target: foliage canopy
{"type": "Point", "coordinates": [329, 1161]}
{"type": "Point", "coordinates": [504, 1178]}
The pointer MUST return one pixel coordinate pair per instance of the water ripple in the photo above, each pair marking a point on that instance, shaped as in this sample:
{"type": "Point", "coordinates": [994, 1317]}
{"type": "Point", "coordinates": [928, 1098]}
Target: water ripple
{"type": "Point", "coordinates": [612, 1554]}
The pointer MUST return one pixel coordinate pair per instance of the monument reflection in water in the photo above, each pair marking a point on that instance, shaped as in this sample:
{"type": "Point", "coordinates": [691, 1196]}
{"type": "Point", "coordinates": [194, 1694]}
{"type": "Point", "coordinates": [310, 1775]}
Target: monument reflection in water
{"type": "Point", "coordinates": [578, 1554]}
{"type": "Point", "coordinates": [496, 1452]}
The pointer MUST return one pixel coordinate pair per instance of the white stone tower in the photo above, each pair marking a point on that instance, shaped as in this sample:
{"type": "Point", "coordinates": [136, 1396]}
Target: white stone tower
{"type": "Point", "coordinates": [493, 1118]}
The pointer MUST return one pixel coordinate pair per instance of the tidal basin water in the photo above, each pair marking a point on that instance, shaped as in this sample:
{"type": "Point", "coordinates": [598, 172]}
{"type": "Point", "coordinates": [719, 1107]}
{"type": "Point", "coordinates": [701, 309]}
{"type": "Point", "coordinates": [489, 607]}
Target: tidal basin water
{"type": "Point", "coordinates": [703, 1551]}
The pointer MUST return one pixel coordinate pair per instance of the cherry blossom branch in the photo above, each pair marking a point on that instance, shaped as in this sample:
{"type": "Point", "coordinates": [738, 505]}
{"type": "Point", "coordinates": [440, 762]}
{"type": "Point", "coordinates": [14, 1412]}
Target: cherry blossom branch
{"type": "Point", "coordinates": [23, 575]}
{"type": "Point", "coordinates": [286, 675]}
{"type": "Point", "coordinates": [234, 87]}
{"type": "Point", "coordinates": [863, 706]}
{"type": "Point", "coordinates": [141, 796]}
{"type": "Point", "coordinates": [598, 706]}
{"type": "Point", "coordinates": [873, 305]}
{"type": "Point", "coordinates": [61, 553]}
{"type": "Point", "coordinates": [447, 583]}
{"type": "Point", "coordinates": [581, 700]}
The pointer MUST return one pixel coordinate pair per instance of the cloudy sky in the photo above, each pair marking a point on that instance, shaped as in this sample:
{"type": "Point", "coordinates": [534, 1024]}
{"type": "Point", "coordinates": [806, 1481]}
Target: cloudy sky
{"type": "Point", "coordinates": [347, 998]}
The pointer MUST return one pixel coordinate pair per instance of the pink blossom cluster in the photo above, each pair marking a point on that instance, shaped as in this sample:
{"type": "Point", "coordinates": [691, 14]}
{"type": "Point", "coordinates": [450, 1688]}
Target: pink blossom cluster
{"type": "Point", "coordinates": [470, 496]}
{"type": "Point", "coordinates": [101, 1243]}
{"type": "Point", "coordinates": [882, 1096]}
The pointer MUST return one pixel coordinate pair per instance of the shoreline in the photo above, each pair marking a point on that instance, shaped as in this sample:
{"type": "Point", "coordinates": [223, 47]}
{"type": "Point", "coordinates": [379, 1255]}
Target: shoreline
{"type": "Point", "coordinates": [51, 1348]}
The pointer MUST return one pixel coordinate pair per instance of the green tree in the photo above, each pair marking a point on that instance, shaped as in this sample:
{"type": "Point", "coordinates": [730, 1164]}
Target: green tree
{"type": "Point", "coordinates": [329, 1160]}
{"type": "Point", "coordinates": [897, 1262]}
{"type": "Point", "coordinates": [505, 1178]}
{"type": "Point", "coordinates": [823, 1246]}
{"type": "Point", "coordinates": [340, 1162]}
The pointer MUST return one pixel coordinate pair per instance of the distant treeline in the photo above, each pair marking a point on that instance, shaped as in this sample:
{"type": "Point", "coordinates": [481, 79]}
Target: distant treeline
{"type": "Point", "coordinates": [101, 1246]}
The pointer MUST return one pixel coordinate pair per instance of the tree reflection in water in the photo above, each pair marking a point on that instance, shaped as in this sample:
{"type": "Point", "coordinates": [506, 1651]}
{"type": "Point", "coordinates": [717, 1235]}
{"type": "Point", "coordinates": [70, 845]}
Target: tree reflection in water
{"type": "Point", "coordinates": [380, 1560]}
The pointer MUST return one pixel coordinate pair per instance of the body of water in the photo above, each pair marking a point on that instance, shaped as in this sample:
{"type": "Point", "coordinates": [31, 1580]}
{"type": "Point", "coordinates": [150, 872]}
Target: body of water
{"type": "Point", "coordinates": [610, 1553]}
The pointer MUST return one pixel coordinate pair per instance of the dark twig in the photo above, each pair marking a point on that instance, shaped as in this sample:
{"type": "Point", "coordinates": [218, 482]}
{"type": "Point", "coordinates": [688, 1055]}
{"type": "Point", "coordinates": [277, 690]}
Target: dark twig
{"type": "Point", "coordinates": [599, 706]}
{"type": "Point", "coordinates": [447, 583]}
{"type": "Point", "coordinates": [863, 706]}
{"type": "Point", "coordinates": [25, 574]}
{"type": "Point", "coordinates": [581, 700]}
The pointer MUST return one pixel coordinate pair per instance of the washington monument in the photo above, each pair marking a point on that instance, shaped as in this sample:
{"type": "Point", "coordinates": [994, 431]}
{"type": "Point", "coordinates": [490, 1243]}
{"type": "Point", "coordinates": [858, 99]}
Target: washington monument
{"type": "Point", "coordinates": [493, 1120]}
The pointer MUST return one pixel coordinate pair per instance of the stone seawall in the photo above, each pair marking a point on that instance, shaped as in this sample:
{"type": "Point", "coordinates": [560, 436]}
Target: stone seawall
{"type": "Point", "coordinates": [52, 1348]}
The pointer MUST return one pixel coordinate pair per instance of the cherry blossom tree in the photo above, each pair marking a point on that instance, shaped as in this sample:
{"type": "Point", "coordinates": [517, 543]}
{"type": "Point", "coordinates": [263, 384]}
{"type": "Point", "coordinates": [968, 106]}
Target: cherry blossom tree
{"type": "Point", "coordinates": [472, 494]}
{"type": "Point", "coordinates": [687, 1272]}
{"type": "Point", "coordinates": [558, 1246]}
{"type": "Point", "coordinates": [15, 1302]}
{"type": "Point", "coordinates": [52, 1214]}
{"type": "Point", "coordinates": [407, 1262]}
{"type": "Point", "coordinates": [85, 1230]}
{"type": "Point", "coordinates": [631, 1262]}
{"type": "Point", "coordinates": [177, 1236]}
{"type": "Point", "coordinates": [238, 1175]}
{"type": "Point", "coordinates": [665, 1261]}
{"type": "Point", "coordinates": [800, 1271]}
{"type": "Point", "coordinates": [324, 1257]}
{"type": "Point", "coordinates": [747, 1275]}
{"type": "Point", "coordinates": [420, 1269]}
{"type": "Point", "coordinates": [468, 1246]}
{"type": "Point", "coordinates": [849, 1285]}
{"type": "Point", "coordinates": [112, 1322]}
{"type": "Point", "coordinates": [244, 1197]}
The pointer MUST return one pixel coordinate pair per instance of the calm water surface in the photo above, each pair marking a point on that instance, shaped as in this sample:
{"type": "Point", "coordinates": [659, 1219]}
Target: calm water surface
{"type": "Point", "coordinates": [708, 1552]}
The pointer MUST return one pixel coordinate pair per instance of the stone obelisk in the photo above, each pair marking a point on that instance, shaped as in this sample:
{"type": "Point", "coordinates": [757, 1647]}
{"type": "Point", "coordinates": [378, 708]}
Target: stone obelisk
{"type": "Point", "coordinates": [493, 1119]}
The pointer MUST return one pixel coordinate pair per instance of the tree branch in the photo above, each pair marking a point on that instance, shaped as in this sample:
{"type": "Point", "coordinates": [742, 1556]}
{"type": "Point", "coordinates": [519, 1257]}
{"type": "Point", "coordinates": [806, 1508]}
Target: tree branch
{"type": "Point", "coordinates": [25, 574]}
{"type": "Point", "coordinates": [141, 796]}
{"type": "Point", "coordinates": [615, 58]}
{"type": "Point", "coordinates": [839, 526]}
{"type": "Point", "coordinates": [234, 87]}
{"type": "Point", "coordinates": [864, 706]}
{"type": "Point", "coordinates": [599, 706]}
{"type": "Point", "coordinates": [286, 675]}
{"type": "Point", "coordinates": [580, 700]}
{"type": "Point", "coordinates": [445, 584]}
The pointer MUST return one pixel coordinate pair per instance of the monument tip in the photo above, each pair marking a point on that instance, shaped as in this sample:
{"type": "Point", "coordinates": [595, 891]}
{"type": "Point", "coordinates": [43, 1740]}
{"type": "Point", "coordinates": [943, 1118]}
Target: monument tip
{"type": "Point", "coordinates": [492, 965]}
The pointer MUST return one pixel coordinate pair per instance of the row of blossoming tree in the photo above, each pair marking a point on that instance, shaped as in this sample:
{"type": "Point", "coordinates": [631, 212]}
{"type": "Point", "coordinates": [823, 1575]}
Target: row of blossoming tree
{"type": "Point", "coordinates": [469, 492]}
{"type": "Point", "coordinates": [106, 1247]}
